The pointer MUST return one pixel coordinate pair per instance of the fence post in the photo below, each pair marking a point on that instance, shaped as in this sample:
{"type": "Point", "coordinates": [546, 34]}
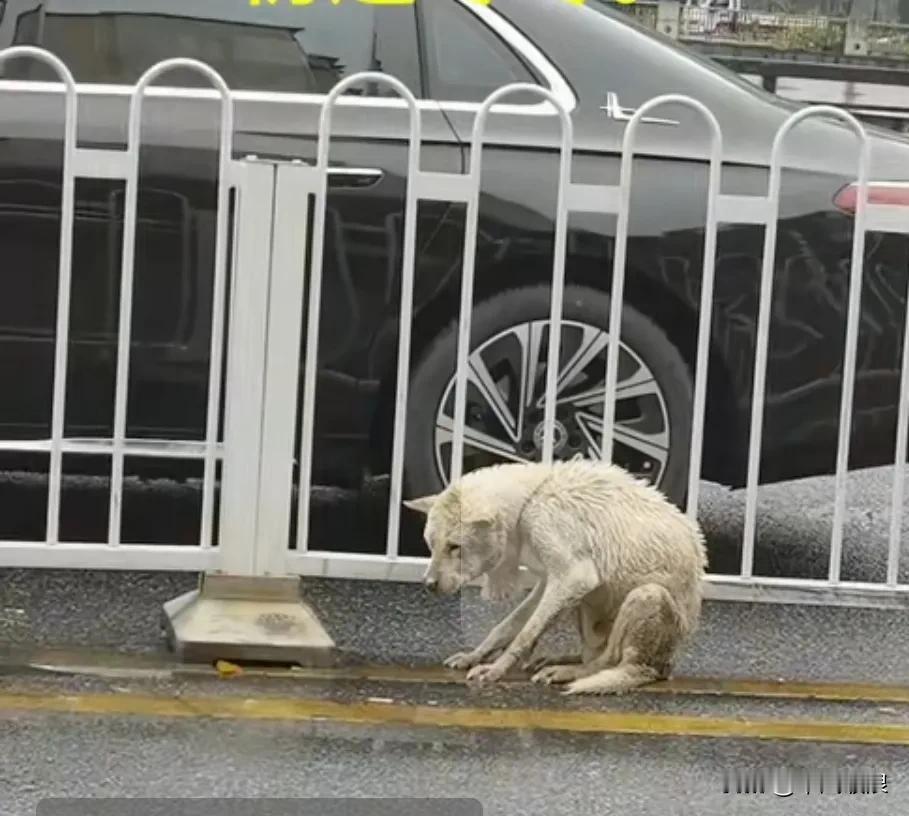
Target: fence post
{"type": "Point", "coordinates": [240, 611]}
{"type": "Point", "coordinates": [295, 182]}
{"type": "Point", "coordinates": [668, 14]}
{"type": "Point", "coordinates": [856, 41]}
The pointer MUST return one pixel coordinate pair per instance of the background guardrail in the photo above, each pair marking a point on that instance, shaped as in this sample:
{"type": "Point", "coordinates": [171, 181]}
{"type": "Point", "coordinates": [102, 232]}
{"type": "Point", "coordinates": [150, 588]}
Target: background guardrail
{"type": "Point", "coordinates": [772, 30]}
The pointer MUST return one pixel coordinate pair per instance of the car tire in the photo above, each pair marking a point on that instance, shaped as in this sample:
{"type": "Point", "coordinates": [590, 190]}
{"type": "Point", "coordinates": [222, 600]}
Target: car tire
{"type": "Point", "coordinates": [506, 326]}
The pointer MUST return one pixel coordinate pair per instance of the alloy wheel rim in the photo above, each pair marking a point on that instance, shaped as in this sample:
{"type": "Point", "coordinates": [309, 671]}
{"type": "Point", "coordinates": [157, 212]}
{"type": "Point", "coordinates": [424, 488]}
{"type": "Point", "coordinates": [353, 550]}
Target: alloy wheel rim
{"type": "Point", "coordinates": [505, 397]}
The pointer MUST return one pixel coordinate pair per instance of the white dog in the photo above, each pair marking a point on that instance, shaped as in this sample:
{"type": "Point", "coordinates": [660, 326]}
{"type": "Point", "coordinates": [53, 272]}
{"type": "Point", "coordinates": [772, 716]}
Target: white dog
{"type": "Point", "coordinates": [599, 541]}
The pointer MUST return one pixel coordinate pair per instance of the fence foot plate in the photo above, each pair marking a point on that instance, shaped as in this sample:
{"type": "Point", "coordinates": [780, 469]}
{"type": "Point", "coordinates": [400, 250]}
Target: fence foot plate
{"type": "Point", "coordinates": [247, 619]}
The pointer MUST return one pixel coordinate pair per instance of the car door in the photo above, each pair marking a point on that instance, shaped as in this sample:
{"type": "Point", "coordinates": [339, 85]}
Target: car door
{"type": "Point", "coordinates": [281, 59]}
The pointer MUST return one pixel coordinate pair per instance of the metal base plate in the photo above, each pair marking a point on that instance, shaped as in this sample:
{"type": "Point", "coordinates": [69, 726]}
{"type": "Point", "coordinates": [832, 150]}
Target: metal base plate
{"type": "Point", "coordinates": [247, 619]}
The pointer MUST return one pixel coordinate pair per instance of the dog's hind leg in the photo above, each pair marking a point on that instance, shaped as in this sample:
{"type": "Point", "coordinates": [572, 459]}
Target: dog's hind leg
{"type": "Point", "coordinates": [534, 663]}
{"type": "Point", "coordinates": [596, 615]}
{"type": "Point", "coordinates": [641, 645]}
{"type": "Point", "coordinates": [595, 620]}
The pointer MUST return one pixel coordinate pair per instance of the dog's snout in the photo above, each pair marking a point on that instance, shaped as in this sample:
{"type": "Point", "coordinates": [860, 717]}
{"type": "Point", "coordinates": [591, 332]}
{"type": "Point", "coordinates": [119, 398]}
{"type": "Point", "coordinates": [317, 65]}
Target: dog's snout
{"type": "Point", "coordinates": [432, 584]}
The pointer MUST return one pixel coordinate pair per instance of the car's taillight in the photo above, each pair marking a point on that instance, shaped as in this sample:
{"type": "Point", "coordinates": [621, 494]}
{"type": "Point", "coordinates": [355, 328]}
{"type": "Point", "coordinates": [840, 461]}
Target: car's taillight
{"type": "Point", "coordinates": [889, 193]}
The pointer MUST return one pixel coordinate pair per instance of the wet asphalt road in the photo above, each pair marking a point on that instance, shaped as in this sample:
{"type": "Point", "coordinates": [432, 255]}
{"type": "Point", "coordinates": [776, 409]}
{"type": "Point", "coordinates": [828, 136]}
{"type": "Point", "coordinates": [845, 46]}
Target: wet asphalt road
{"type": "Point", "coordinates": [90, 756]}
{"type": "Point", "coordinates": [401, 623]}
{"type": "Point", "coordinates": [511, 773]}
{"type": "Point", "coordinates": [518, 772]}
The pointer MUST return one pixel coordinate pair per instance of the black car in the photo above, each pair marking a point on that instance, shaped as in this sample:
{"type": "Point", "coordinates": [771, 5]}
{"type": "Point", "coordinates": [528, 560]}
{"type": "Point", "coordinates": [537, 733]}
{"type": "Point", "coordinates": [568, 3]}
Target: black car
{"type": "Point", "coordinates": [282, 58]}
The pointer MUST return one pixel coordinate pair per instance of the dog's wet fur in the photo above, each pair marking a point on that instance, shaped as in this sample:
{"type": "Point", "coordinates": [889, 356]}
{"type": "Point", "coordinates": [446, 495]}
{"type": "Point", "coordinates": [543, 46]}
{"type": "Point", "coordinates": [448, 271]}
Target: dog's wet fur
{"type": "Point", "coordinates": [599, 541]}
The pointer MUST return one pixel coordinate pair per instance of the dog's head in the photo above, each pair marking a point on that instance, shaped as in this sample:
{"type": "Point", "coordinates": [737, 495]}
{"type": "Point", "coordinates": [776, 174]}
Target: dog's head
{"type": "Point", "coordinates": [464, 536]}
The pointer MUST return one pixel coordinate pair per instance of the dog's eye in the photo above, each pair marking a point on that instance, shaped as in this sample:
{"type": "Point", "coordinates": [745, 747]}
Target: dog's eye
{"type": "Point", "coordinates": [454, 549]}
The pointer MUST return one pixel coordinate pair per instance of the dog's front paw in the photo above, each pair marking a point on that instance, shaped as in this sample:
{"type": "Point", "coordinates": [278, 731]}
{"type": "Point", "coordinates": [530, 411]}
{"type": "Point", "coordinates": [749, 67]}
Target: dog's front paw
{"type": "Point", "coordinates": [485, 674]}
{"type": "Point", "coordinates": [556, 674]}
{"type": "Point", "coordinates": [462, 660]}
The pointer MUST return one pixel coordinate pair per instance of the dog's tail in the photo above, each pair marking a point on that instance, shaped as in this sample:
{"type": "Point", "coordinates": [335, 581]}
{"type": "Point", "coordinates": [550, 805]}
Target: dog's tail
{"type": "Point", "coordinates": [621, 678]}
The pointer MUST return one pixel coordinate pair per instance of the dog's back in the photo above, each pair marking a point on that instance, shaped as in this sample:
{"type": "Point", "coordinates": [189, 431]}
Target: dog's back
{"type": "Point", "coordinates": [599, 513]}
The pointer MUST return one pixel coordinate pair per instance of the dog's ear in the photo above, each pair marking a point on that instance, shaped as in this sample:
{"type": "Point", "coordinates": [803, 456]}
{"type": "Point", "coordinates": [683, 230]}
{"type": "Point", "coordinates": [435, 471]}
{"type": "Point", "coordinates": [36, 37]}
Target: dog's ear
{"type": "Point", "coordinates": [421, 505]}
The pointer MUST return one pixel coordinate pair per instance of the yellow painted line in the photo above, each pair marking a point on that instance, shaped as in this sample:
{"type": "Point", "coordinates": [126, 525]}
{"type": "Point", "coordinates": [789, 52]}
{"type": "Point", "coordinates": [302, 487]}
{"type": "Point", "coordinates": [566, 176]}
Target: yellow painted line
{"type": "Point", "coordinates": [795, 690]}
{"type": "Point", "coordinates": [372, 713]}
{"type": "Point", "coordinates": [126, 665]}
{"type": "Point", "coordinates": [693, 686]}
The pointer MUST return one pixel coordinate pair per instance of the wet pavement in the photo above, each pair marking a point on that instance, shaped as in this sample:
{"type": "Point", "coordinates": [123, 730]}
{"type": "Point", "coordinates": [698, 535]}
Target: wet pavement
{"type": "Point", "coordinates": [143, 726]}
{"type": "Point", "coordinates": [698, 700]}
{"type": "Point", "coordinates": [401, 623]}
{"type": "Point", "coordinates": [127, 748]}
{"type": "Point", "coordinates": [571, 775]}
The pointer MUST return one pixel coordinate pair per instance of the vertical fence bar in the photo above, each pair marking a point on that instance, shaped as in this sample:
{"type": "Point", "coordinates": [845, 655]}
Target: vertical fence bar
{"type": "Point", "coordinates": [468, 269]}
{"type": "Point", "coordinates": [899, 463]}
{"type": "Point", "coordinates": [707, 286]}
{"type": "Point", "coordinates": [408, 261]}
{"type": "Point", "coordinates": [294, 183]}
{"type": "Point", "coordinates": [241, 506]}
{"type": "Point", "coordinates": [763, 338]}
{"type": "Point", "coordinates": [617, 291]}
{"type": "Point", "coordinates": [64, 275]}
{"type": "Point", "coordinates": [215, 371]}
{"type": "Point", "coordinates": [124, 333]}
{"type": "Point", "coordinates": [124, 323]}
{"type": "Point", "coordinates": [315, 302]}
{"type": "Point", "coordinates": [465, 308]}
{"type": "Point", "coordinates": [557, 295]}
{"type": "Point", "coordinates": [760, 361]}
{"type": "Point", "coordinates": [314, 312]}
{"type": "Point", "coordinates": [856, 277]}
{"type": "Point", "coordinates": [705, 318]}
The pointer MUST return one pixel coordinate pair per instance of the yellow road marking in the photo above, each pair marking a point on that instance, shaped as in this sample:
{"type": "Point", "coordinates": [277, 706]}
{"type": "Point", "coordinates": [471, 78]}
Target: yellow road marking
{"type": "Point", "coordinates": [694, 686]}
{"type": "Point", "coordinates": [107, 664]}
{"type": "Point", "coordinates": [372, 713]}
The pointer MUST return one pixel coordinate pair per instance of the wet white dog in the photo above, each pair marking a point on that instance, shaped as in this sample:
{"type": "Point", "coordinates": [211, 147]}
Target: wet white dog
{"type": "Point", "coordinates": [601, 542]}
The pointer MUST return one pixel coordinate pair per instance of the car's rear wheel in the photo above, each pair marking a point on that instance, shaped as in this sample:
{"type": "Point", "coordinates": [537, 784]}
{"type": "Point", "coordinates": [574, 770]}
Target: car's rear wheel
{"type": "Point", "coordinates": [506, 387]}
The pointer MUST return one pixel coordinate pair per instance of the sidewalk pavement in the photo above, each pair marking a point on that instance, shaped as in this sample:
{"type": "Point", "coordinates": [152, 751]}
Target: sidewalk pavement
{"type": "Point", "coordinates": [402, 624]}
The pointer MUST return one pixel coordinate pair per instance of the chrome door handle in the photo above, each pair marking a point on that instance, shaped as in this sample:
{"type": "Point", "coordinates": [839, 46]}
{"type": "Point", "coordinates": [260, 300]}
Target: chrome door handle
{"type": "Point", "coordinates": [614, 110]}
{"type": "Point", "coordinates": [339, 175]}
{"type": "Point", "coordinates": [359, 177]}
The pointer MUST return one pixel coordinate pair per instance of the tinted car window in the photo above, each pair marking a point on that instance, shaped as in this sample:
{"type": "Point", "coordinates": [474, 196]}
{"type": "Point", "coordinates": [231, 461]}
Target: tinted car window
{"type": "Point", "coordinates": [270, 48]}
{"type": "Point", "coordinates": [467, 61]}
{"type": "Point", "coordinates": [28, 25]}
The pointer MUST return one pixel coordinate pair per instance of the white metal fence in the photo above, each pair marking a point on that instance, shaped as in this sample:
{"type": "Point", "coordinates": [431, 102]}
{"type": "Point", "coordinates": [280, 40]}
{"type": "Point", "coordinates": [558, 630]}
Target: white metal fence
{"type": "Point", "coordinates": [123, 165]}
{"type": "Point", "coordinates": [268, 285]}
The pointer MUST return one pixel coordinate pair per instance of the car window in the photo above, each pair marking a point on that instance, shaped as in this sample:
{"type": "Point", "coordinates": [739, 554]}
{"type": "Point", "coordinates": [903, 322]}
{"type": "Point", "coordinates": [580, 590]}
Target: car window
{"type": "Point", "coordinates": [284, 48]}
{"type": "Point", "coordinates": [25, 26]}
{"type": "Point", "coordinates": [466, 60]}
